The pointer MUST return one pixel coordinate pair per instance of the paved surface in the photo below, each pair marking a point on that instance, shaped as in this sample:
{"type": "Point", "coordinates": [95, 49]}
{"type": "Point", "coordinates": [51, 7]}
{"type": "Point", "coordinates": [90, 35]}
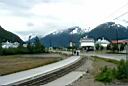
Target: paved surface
{"type": "Point", "coordinates": [36, 72]}
{"type": "Point", "coordinates": [72, 77]}
{"type": "Point", "coordinates": [67, 79]}
{"type": "Point", "coordinates": [111, 56]}
{"type": "Point", "coordinates": [87, 79]}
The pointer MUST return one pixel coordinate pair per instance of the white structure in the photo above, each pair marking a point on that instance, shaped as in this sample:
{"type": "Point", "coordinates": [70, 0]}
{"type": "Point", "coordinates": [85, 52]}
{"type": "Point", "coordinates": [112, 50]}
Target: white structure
{"type": "Point", "coordinates": [71, 44]}
{"type": "Point", "coordinates": [25, 45]}
{"type": "Point", "coordinates": [10, 45]}
{"type": "Point", "coordinates": [103, 42]}
{"type": "Point", "coordinates": [87, 44]}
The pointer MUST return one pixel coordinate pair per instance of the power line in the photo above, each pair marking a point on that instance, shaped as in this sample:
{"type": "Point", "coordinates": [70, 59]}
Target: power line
{"type": "Point", "coordinates": [114, 12]}
{"type": "Point", "coordinates": [119, 9]}
{"type": "Point", "coordinates": [121, 15]}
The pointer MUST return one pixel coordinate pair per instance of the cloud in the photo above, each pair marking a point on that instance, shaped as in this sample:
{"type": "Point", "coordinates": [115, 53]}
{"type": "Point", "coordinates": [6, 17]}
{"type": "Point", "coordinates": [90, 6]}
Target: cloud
{"type": "Point", "coordinates": [41, 17]}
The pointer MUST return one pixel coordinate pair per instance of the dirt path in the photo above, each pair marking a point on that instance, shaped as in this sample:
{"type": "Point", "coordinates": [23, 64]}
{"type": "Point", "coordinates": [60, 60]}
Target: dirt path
{"type": "Point", "coordinates": [92, 67]}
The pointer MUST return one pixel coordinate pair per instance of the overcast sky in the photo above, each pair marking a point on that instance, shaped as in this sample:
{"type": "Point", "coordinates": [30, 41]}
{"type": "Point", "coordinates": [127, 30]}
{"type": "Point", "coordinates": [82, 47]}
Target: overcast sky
{"type": "Point", "coordinates": [40, 17]}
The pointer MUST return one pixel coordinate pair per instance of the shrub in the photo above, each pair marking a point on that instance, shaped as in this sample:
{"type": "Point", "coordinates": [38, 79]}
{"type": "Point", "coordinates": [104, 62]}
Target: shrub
{"type": "Point", "coordinates": [106, 75]}
{"type": "Point", "coordinates": [122, 70]}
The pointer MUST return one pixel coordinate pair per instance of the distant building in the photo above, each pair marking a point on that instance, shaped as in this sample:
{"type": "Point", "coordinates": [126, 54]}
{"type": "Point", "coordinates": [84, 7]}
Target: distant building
{"type": "Point", "coordinates": [120, 41]}
{"type": "Point", "coordinates": [103, 42]}
{"type": "Point", "coordinates": [25, 45]}
{"type": "Point", "coordinates": [71, 44]}
{"type": "Point", "coordinates": [10, 45]}
{"type": "Point", "coordinates": [87, 44]}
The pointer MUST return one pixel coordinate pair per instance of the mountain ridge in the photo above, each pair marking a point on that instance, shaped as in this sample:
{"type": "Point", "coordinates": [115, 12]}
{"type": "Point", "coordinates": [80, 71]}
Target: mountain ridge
{"type": "Point", "coordinates": [110, 31]}
{"type": "Point", "coordinates": [8, 36]}
{"type": "Point", "coordinates": [62, 38]}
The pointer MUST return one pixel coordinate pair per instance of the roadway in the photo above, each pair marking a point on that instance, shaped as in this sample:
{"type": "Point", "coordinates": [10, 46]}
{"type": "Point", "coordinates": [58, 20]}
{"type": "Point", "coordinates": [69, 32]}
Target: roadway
{"type": "Point", "coordinates": [110, 56]}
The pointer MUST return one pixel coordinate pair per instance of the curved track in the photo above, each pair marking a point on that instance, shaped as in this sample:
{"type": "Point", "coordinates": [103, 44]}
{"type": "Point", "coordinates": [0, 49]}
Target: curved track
{"type": "Point", "coordinates": [50, 77]}
{"type": "Point", "coordinates": [47, 74]}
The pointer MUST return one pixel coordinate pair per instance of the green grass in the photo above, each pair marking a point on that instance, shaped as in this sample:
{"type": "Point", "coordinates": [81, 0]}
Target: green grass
{"type": "Point", "coordinates": [107, 52]}
{"type": "Point", "coordinates": [108, 74]}
{"type": "Point", "coordinates": [105, 59]}
{"type": "Point", "coordinates": [101, 51]}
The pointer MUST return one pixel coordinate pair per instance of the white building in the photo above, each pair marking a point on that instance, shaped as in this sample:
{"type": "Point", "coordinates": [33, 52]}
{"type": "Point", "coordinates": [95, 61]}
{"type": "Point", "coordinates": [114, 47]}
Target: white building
{"type": "Point", "coordinates": [87, 44]}
{"type": "Point", "coordinates": [25, 45]}
{"type": "Point", "coordinates": [103, 42]}
{"type": "Point", "coordinates": [10, 45]}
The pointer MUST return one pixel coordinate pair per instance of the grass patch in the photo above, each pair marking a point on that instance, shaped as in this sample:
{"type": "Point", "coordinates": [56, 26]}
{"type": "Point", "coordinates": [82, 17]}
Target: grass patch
{"type": "Point", "coordinates": [101, 51]}
{"type": "Point", "coordinates": [106, 59]}
{"type": "Point", "coordinates": [107, 74]}
{"type": "Point", "coordinates": [12, 64]}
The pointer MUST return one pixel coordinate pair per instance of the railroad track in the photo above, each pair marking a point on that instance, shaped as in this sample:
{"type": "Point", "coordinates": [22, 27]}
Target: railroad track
{"type": "Point", "coordinates": [50, 77]}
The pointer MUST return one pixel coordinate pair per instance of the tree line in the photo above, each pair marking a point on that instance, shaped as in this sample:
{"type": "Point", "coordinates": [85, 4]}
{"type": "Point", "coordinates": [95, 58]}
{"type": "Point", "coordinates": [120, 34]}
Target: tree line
{"type": "Point", "coordinates": [32, 48]}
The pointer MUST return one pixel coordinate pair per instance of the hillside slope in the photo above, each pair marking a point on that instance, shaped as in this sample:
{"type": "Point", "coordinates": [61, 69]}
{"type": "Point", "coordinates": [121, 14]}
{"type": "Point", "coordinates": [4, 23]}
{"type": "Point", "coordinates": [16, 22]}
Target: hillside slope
{"type": "Point", "coordinates": [8, 36]}
{"type": "Point", "coordinates": [110, 31]}
{"type": "Point", "coordinates": [64, 37]}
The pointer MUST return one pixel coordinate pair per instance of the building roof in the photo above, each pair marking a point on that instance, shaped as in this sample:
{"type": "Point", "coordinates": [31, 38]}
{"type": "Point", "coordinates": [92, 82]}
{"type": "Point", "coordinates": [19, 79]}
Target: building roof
{"type": "Point", "coordinates": [103, 41]}
{"type": "Point", "coordinates": [87, 40]}
{"type": "Point", "coordinates": [119, 41]}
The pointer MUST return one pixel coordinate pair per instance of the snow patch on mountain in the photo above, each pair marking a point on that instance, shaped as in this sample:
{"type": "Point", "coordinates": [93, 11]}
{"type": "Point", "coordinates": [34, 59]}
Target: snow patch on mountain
{"type": "Point", "coordinates": [72, 30]}
{"type": "Point", "coordinates": [57, 32]}
{"type": "Point", "coordinates": [75, 30]}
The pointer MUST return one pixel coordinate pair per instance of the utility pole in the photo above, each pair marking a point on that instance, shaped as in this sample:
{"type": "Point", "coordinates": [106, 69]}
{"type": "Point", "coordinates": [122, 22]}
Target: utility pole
{"type": "Point", "coordinates": [29, 40]}
{"type": "Point", "coordinates": [117, 39]}
{"type": "Point", "coordinates": [50, 41]}
{"type": "Point", "coordinates": [126, 51]}
{"type": "Point", "coordinates": [72, 41]}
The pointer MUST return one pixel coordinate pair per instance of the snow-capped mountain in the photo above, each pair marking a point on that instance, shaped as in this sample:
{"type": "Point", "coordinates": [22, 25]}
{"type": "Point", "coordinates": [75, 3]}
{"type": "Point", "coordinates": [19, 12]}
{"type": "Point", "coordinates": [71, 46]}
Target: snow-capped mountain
{"type": "Point", "coordinates": [121, 22]}
{"type": "Point", "coordinates": [110, 31]}
{"type": "Point", "coordinates": [64, 37]}
{"type": "Point", "coordinates": [76, 30]}
{"type": "Point", "coordinates": [57, 32]}
{"type": "Point", "coordinates": [72, 30]}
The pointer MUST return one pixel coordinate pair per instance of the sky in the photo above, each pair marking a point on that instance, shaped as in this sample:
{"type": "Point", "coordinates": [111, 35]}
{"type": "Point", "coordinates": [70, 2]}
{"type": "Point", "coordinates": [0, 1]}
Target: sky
{"type": "Point", "coordinates": [41, 17]}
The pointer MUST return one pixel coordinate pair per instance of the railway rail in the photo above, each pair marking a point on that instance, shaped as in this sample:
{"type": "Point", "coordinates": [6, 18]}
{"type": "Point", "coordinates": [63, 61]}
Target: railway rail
{"type": "Point", "coordinates": [50, 76]}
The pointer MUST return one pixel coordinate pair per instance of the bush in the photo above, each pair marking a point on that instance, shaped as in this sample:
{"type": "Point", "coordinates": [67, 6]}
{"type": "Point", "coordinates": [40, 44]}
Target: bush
{"type": "Point", "coordinates": [122, 70]}
{"type": "Point", "coordinates": [22, 50]}
{"type": "Point", "coordinates": [99, 47]}
{"type": "Point", "coordinates": [36, 47]}
{"type": "Point", "coordinates": [106, 75]}
{"type": "Point", "coordinates": [9, 51]}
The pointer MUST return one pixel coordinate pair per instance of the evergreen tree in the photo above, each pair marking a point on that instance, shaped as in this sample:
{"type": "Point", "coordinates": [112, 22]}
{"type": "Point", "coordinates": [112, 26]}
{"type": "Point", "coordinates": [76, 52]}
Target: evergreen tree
{"type": "Point", "coordinates": [38, 46]}
{"type": "Point", "coordinates": [0, 49]}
